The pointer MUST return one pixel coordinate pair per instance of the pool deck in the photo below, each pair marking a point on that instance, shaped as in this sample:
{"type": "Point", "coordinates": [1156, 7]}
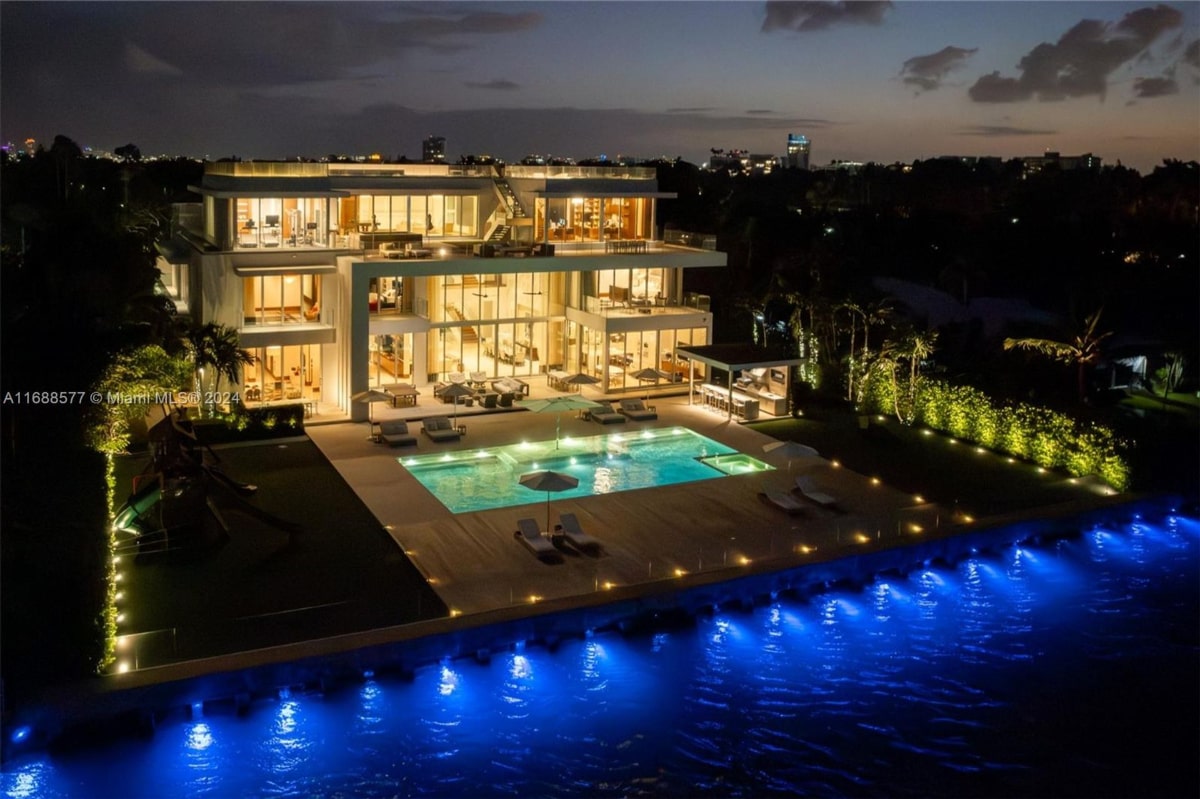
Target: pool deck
{"type": "Point", "coordinates": [649, 535]}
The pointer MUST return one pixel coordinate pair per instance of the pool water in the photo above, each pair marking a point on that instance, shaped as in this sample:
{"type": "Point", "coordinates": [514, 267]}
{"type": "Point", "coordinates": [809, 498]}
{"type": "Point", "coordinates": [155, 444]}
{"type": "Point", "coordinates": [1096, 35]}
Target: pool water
{"type": "Point", "coordinates": [483, 479]}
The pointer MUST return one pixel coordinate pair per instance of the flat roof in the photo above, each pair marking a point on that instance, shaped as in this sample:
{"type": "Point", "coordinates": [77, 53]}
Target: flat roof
{"type": "Point", "coordinates": [740, 356]}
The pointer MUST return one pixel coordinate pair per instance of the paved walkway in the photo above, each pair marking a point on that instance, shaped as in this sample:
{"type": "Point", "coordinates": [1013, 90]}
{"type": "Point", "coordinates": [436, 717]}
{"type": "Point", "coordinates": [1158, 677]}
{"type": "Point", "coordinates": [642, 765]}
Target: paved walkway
{"type": "Point", "coordinates": [649, 535]}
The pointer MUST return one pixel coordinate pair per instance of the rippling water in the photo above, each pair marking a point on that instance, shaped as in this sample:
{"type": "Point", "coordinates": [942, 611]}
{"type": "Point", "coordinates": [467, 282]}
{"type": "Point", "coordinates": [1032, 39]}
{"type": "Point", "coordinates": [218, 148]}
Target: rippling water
{"type": "Point", "coordinates": [1069, 670]}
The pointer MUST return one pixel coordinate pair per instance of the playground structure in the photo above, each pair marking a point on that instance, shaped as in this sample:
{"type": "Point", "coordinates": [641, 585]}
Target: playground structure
{"type": "Point", "coordinates": [171, 508]}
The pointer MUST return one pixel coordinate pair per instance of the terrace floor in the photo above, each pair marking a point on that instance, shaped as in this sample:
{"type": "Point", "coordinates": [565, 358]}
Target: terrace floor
{"type": "Point", "coordinates": [376, 549]}
{"type": "Point", "coordinates": [474, 564]}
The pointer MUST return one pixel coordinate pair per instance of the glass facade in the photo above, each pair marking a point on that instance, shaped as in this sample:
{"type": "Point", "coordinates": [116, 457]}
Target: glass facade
{"type": "Point", "coordinates": [596, 219]}
{"type": "Point", "coordinates": [391, 359]}
{"type": "Point", "coordinates": [431, 215]}
{"type": "Point", "coordinates": [337, 221]}
{"type": "Point", "coordinates": [281, 299]}
{"type": "Point", "coordinates": [506, 324]}
{"type": "Point", "coordinates": [283, 372]}
{"type": "Point", "coordinates": [282, 222]}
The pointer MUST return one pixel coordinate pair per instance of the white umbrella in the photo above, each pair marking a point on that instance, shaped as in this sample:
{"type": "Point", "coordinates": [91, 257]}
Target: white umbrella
{"type": "Point", "coordinates": [548, 481]}
{"type": "Point", "coordinates": [791, 450]}
{"type": "Point", "coordinates": [370, 397]}
{"type": "Point", "coordinates": [454, 391]}
{"type": "Point", "coordinates": [558, 404]}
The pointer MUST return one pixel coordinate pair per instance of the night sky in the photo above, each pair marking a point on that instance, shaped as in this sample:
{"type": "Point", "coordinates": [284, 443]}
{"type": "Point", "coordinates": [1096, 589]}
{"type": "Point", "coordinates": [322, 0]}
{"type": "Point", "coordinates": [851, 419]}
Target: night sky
{"type": "Point", "coordinates": [864, 81]}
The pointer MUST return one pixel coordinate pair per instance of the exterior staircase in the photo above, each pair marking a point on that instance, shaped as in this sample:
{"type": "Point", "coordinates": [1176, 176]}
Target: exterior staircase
{"type": "Point", "coordinates": [510, 198]}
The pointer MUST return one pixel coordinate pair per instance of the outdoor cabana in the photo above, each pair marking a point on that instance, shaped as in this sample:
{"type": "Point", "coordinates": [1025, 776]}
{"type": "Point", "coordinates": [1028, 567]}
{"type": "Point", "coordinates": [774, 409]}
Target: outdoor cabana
{"type": "Point", "coordinates": [772, 364]}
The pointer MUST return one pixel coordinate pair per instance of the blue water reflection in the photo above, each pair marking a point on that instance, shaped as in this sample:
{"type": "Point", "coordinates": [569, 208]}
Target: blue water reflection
{"type": "Point", "coordinates": [1024, 673]}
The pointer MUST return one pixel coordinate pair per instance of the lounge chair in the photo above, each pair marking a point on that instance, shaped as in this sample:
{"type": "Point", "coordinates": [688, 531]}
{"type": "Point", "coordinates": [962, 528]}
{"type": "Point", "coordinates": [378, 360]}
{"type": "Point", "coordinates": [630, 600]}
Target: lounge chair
{"type": "Point", "coordinates": [605, 414]}
{"type": "Point", "coordinates": [806, 487]}
{"type": "Point", "coordinates": [395, 433]}
{"type": "Point", "coordinates": [785, 502]}
{"type": "Point", "coordinates": [529, 534]}
{"type": "Point", "coordinates": [571, 530]}
{"type": "Point", "coordinates": [439, 428]}
{"type": "Point", "coordinates": [636, 410]}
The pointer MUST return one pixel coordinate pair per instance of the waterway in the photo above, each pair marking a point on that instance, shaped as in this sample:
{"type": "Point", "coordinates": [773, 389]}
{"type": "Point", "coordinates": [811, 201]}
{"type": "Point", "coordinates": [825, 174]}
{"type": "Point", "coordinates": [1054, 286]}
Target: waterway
{"type": "Point", "coordinates": [1064, 670]}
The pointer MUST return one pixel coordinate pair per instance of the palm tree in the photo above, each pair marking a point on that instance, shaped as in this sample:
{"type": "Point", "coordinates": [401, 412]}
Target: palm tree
{"type": "Point", "coordinates": [870, 314]}
{"type": "Point", "coordinates": [911, 347]}
{"type": "Point", "coordinates": [216, 346]}
{"type": "Point", "coordinates": [228, 357]}
{"type": "Point", "coordinates": [1082, 350]}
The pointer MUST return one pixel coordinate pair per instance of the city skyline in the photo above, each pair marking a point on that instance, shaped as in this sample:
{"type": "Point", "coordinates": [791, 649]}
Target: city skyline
{"type": "Point", "coordinates": [863, 81]}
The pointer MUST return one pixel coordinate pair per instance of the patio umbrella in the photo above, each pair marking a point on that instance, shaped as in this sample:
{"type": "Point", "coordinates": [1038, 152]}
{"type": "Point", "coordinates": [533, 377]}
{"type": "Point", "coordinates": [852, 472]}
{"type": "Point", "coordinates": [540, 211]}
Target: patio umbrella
{"type": "Point", "coordinates": [454, 391]}
{"type": "Point", "coordinates": [370, 397]}
{"type": "Point", "coordinates": [579, 379]}
{"type": "Point", "coordinates": [548, 481]}
{"type": "Point", "coordinates": [791, 450]}
{"type": "Point", "coordinates": [649, 373]}
{"type": "Point", "coordinates": [556, 405]}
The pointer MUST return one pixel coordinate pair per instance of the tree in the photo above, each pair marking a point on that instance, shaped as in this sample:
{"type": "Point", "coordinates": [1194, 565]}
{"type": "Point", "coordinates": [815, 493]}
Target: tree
{"type": "Point", "coordinates": [870, 314]}
{"type": "Point", "coordinates": [908, 348]}
{"type": "Point", "coordinates": [130, 384]}
{"type": "Point", "coordinates": [216, 346]}
{"type": "Point", "coordinates": [1083, 350]}
{"type": "Point", "coordinates": [128, 152]}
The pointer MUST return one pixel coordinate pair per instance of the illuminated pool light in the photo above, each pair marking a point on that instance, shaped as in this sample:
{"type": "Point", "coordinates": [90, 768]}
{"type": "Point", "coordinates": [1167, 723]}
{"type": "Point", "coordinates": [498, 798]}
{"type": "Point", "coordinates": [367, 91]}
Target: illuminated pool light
{"type": "Point", "coordinates": [489, 478]}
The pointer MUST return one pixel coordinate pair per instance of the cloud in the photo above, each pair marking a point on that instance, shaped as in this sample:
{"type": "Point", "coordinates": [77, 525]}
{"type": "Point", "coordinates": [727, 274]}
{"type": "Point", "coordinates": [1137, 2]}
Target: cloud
{"type": "Point", "coordinates": [759, 111]}
{"type": "Point", "coordinates": [1080, 62]}
{"type": "Point", "coordinates": [815, 15]}
{"type": "Point", "coordinates": [138, 60]}
{"type": "Point", "coordinates": [692, 110]}
{"type": "Point", "coordinates": [1155, 87]}
{"type": "Point", "coordinates": [1003, 130]}
{"type": "Point", "coordinates": [927, 71]}
{"type": "Point", "coordinates": [497, 85]}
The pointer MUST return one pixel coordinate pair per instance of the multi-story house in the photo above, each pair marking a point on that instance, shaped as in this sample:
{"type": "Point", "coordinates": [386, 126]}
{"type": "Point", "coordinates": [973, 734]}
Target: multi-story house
{"type": "Point", "coordinates": [344, 276]}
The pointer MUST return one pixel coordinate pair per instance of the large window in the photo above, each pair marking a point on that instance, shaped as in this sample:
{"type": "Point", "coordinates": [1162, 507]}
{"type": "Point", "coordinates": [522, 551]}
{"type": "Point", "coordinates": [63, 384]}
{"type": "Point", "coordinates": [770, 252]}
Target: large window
{"type": "Point", "coordinates": [284, 222]}
{"type": "Point", "coordinates": [432, 216]}
{"type": "Point", "coordinates": [391, 359]}
{"type": "Point", "coordinates": [283, 373]}
{"type": "Point", "coordinates": [281, 299]}
{"type": "Point", "coordinates": [583, 219]}
{"type": "Point", "coordinates": [507, 324]}
{"type": "Point", "coordinates": [616, 357]}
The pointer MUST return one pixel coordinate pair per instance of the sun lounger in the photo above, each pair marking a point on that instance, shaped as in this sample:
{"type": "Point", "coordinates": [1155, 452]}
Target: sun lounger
{"type": "Point", "coordinates": [785, 502]}
{"type": "Point", "coordinates": [636, 410]}
{"type": "Point", "coordinates": [605, 414]}
{"type": "Point", "coordinates": [571, 530]}
{"type": "Point", "coordinates": [395, 433]}
{"type": "Point", "coordinates": [529, 534]}
{"type": "Point", "coordinates": [806, 486]}
{"type": "Point", "coordinates": [439, 428]}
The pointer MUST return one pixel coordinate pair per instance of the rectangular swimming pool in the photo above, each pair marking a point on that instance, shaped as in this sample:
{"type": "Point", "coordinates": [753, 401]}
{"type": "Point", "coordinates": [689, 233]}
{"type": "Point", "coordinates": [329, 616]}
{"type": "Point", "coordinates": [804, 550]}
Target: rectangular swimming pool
{"type": "Point", "coordinates": [473, 480]}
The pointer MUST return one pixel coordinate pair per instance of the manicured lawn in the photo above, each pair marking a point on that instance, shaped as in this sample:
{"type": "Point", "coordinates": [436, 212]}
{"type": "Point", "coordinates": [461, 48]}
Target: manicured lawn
{"type": "Point", "coordinates": [340, 572]}
{"type": "Point", "coordinates": [953, 475]}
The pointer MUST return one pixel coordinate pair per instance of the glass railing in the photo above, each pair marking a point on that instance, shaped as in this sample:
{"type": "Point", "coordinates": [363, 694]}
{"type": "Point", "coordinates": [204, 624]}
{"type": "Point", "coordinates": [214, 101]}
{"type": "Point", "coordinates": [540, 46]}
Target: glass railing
{"type": "Point", "coordinates": [549, 172]}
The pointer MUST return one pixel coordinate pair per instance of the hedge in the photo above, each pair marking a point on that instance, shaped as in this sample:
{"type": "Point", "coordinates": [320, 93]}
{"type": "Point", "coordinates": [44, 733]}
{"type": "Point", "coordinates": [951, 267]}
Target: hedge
{"type": "Point", "coordinates": [1046, 437]}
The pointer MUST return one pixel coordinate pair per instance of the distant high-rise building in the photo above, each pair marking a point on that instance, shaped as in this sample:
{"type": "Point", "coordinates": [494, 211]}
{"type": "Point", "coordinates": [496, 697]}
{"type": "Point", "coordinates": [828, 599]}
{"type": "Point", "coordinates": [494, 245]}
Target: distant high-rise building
{"type": "Point", "coordinates": [433, 150]}
{"type": "Point", "coordinates": [797, 151]}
